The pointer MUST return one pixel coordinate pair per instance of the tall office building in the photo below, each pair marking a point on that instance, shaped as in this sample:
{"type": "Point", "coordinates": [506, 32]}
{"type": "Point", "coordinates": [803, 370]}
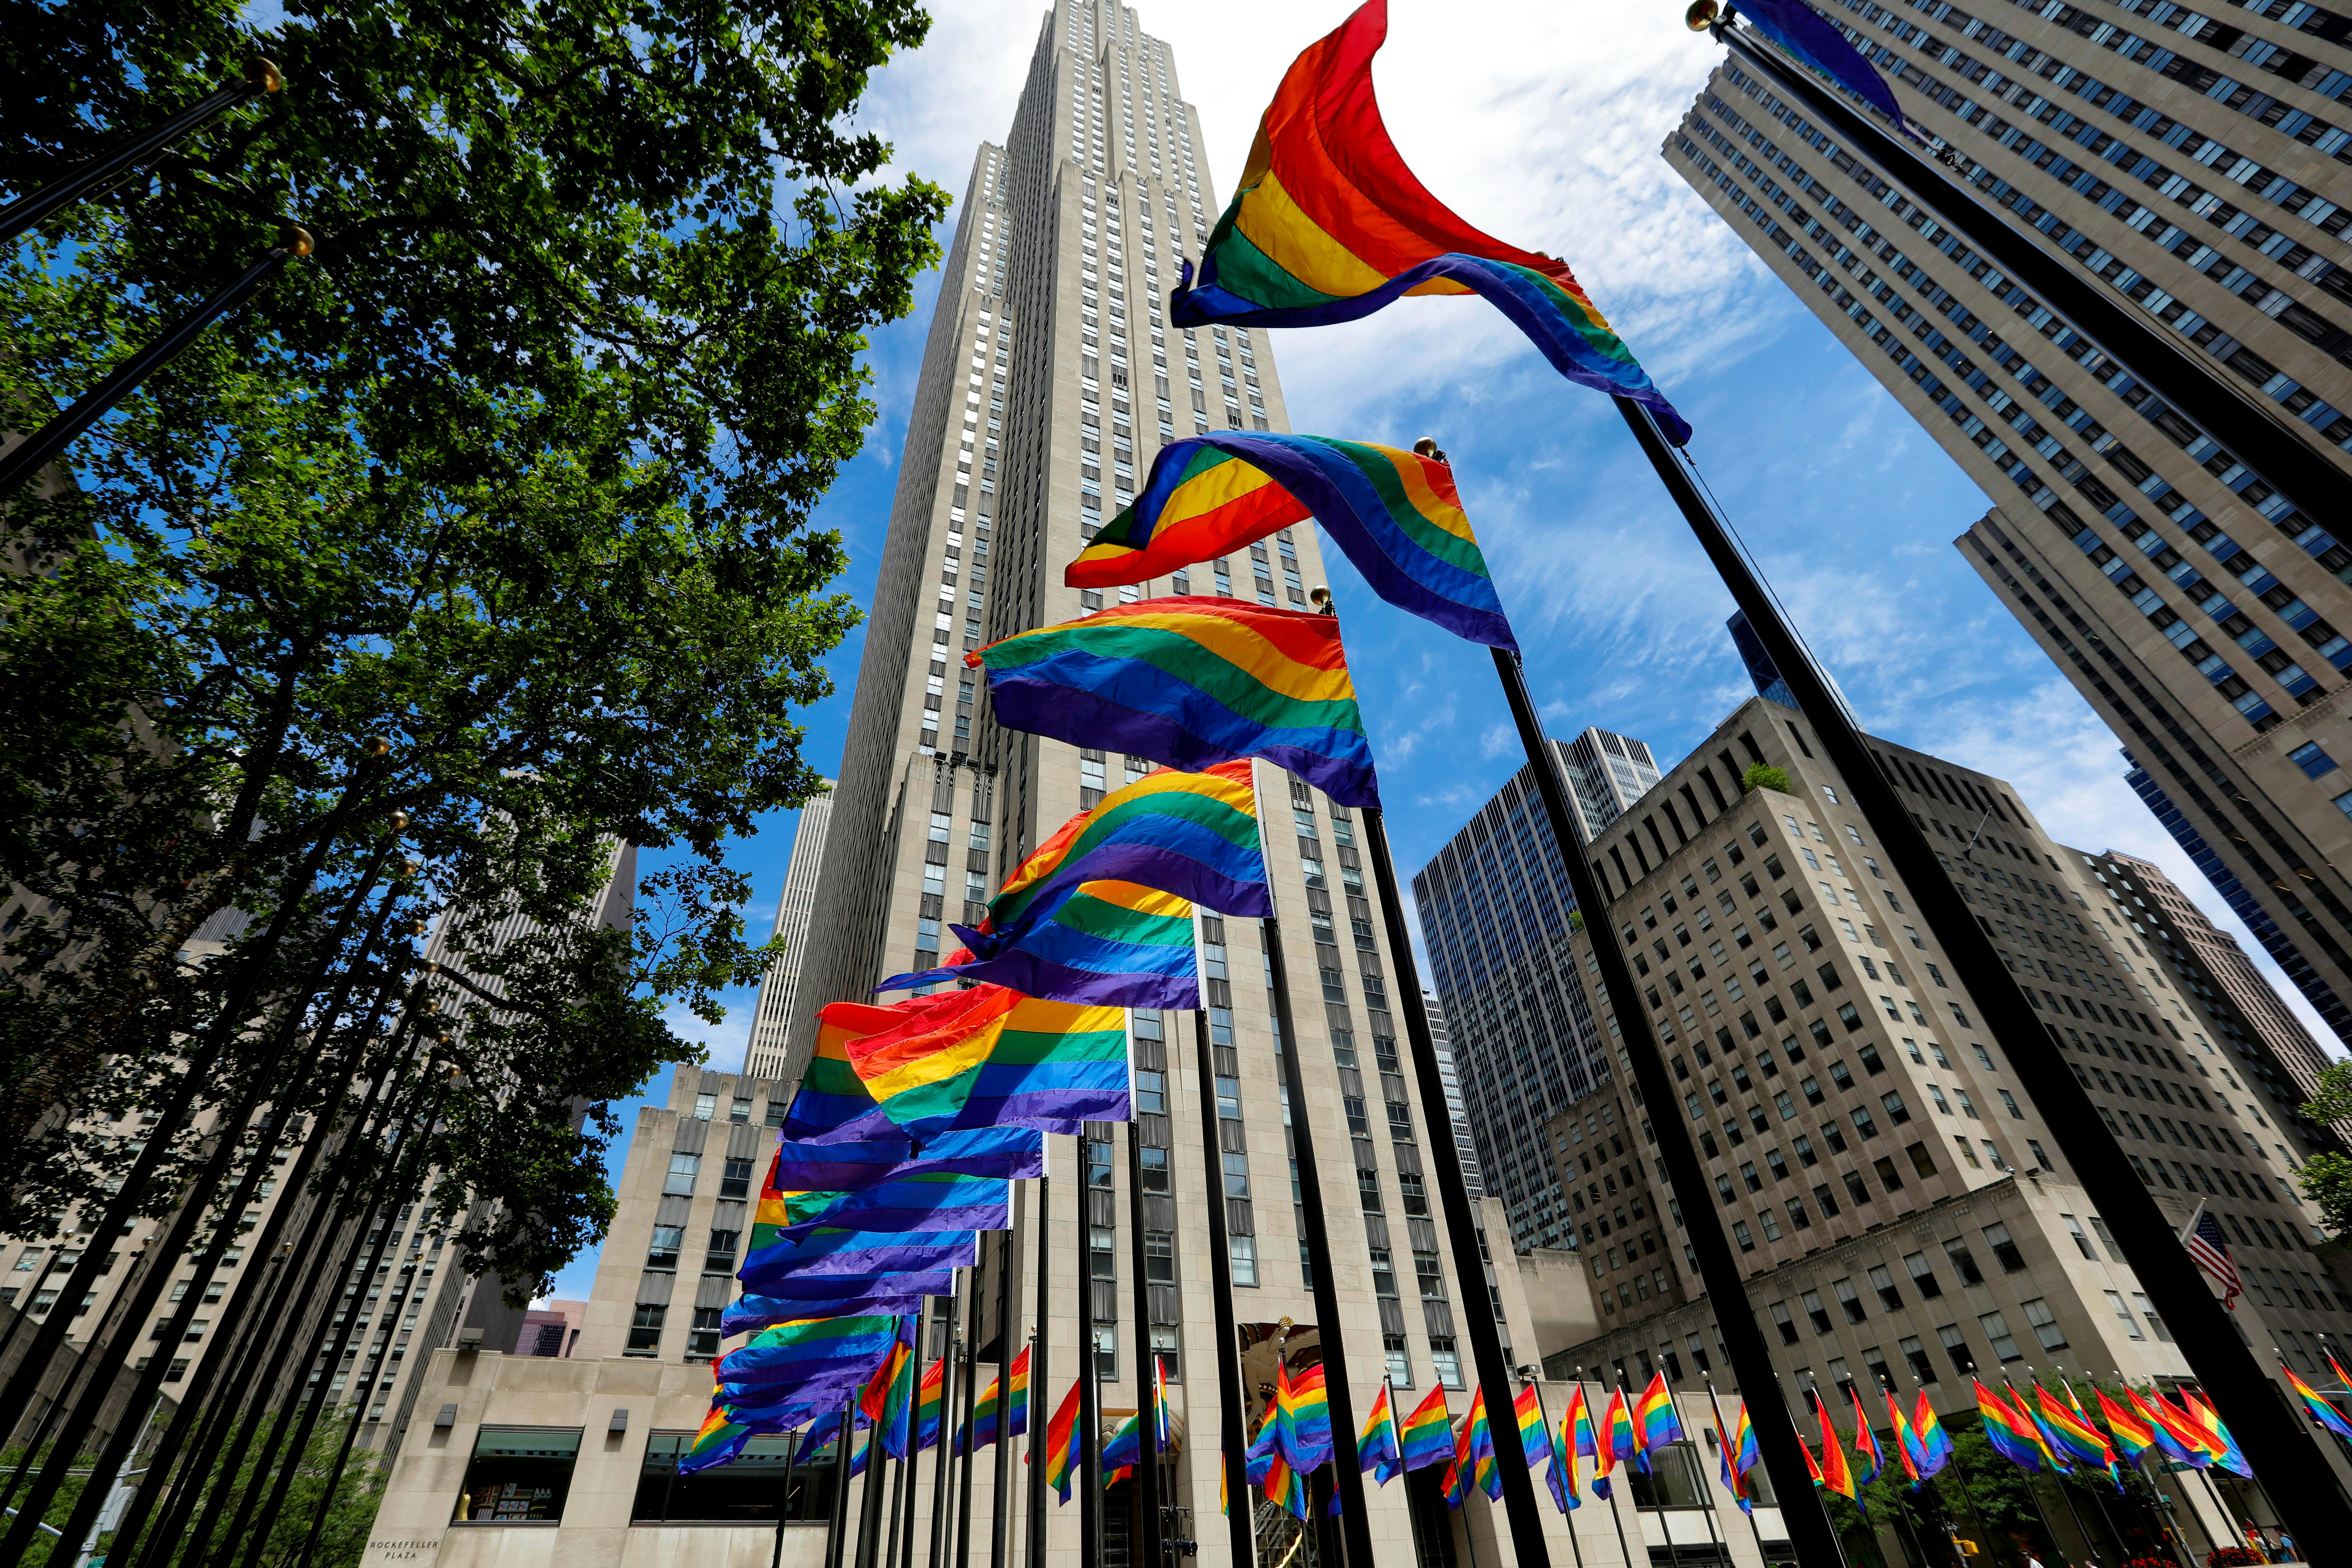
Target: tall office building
{"type": "Point", "coordinates": [1457, 1109]}
{"type": "Point", "coordinates": [1050, 380]}
{"type": "Point", "coordinates": [772, 1019]}
{"type": "Point", "coordinates": [1901, 1210]}
{"type": "Point", "coordinates": [1495, 911]}
{"type": "Point", "coordinates": [2195, 165]}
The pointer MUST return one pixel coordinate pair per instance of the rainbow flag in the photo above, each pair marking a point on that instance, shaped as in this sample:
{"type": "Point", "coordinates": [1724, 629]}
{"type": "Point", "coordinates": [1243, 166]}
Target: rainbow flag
{"type": "Point", "coordinates": [833, 1250]}
{"type": "Point", "coordinates": [810, 1354]}
{"type": "Point", "coordinates": [831, 1295]}
{"type": "Point", "coordinates": [929, 1408]}
{"type": "Point", "coordinates": [1535, 1437]}
{"type": "Point", "coordinates": [997, 1406]}
{"type": "Point", "coordinates": [2231, 1458]}
{"type": "Point", "coordinates": [1429, 1432]}
{"type": "Point", "coordinates": [960, 1061]}
{"type": "Point", "coordinates": [1395, 514]}
{"type": "Point", "coordinates": [1574, 1444]}
{"type": "Point", "coordinates": [2186, 1423]}
{"type": "Point", "coordinates": [1932, 1435]}
{"type": "Point", "coordinates": [1062, 1444]}
{"type": "Point", "coordinates": [1624, 1437]}
{"type": "Point", "coordinates": [2013, 1435]}
{"type": "Point", "coordinates": [1378, 1447]}
{"type": "Point", "coordinates": [1287, 1488]}
{"type": "Point", "coordinates": [1734, 1480]}
{"type": "Point", "coordinates": [1655, 1417]}
{"type": "Point", "coordinates": [1099, 914]}
{"type": "Point", "coordinates": [1123, 1452]}
{"type": "Point", "coordinates": [1478, 1440]}
{"type": "Point", "coordinates": [1836, 1475]}
{"type": "Point", "coordinates": [1328, 225]}
{"type": "Point", "coordinates": [1907, 1446]}
{"type": "Point", "coordinates": [1163, 1420]}
{"type": "Point", "coordinates": [1265, 1447]}
{"type": "Point", "coordinates": [926, 1202]}
{"type": "Point", "coordinates": [889, 1397]}
{"type": "Point", "coordinates": [1865, 1442]}
{"type": "Point", "coordinates": [1451, 1484]}
{"type": "Point", "coordinates": [2054, 1458]}
{"type": "Point", "coordinates": [2072, 1432]}
{"type": "Point", "coordinates": [2132, 1435]}
{"type": "Point", "coordinates": [836, 1137]}
{"type": "Point", "coordinates": [1306, 1418]}
{"type": "Point", "coordinates": [2321, 1410]}
{"type": "Point", "coordinates": [1191, 683]}
{"type": "Point", "coordinates": [721, 1436]}
{"type": "Point", "coordinates": [2177, 1442]}
{"type": "Point", "coordinates": [2337, 1367]}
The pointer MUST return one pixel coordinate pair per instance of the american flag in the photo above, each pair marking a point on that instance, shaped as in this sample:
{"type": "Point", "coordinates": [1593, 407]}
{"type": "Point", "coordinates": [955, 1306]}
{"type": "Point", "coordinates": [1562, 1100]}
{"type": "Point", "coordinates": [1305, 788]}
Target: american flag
{"type": "Point", "coordinates": [2209, 1247]}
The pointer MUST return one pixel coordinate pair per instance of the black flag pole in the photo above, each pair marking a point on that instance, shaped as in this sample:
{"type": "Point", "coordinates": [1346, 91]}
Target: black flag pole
{"type": "Point", "coordinates": [2303, 1485]}
{"type": "Point", "coordinates": [1232, 1417]}
{"type": "Point", "coordinates": [1041, 1393]}
{"type": "Point", "coordinates": [1146, 1360]}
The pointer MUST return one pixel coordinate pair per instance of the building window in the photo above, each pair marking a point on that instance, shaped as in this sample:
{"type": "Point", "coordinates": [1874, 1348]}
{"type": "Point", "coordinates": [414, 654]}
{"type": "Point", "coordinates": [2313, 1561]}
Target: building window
{"type": "Point", "coordinates": [1170, 1355]}
{"type": "Point", "coordinates": [741, 1111]}
{"type": "Point", "coordinates": [1447, 1360]}
{"type": "Point", "coordinates": [1242, 1251]}
{"type": "Point", "coordinates": [2045, 1324]}
{"type": "Point", "coordinates": [1160, 1257]}
{"type": "Point", "coordinates": [1431, 1273]}
{"type": "Point", "coordinates": [1102, 1249]}
{"type": "Point", "coordinates": [519, 1475]}
{"type": "Point", "coordinates": [735, 1179]}
{"type": "Point", "coordinates": [2124, 1316]}
{"type": "Point", "coordinates": [1996, 1330]}
{"type": "Point", "coordinates": [645, 1330]}
{"type": "Point", "coordinates": [702, 1344]}
{"type": "Point", "coordinates": [748, 1489]}
{"type": "Point", "coordinates": [2003, 1249]}
{"type": "Point", "coordinates": [1399, 1360]}
{"type": "Point", "coordinates": [1106, 1351]}
{"type": "Point", "coordinates": [706, 1106]}
{"type": "Point", "coordinates": [2314, 761]}
{"type": "Point", "coordinates": [1151, 1093]}
{"type": "Point", "coordinates": [720, 1257]}
{"type": "Point", "coordinates": [683, 1169]}
{"type": "Point", "coordinates": [663, 1253]}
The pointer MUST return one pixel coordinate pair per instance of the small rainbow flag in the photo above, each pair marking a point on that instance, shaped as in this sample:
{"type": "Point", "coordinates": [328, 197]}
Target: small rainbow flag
{"type": "Point", "coordinates": [1938, 1441]}
{"type": "Point", "coordinates": [1122, 1453]}
{"type": "Point", "coordinates": [1061, 1443]}
{"type": "Point", "coordinates": [1328, 225]}
{"type": "Point", "coordinates": [1266, 1447]}
{"type": "Point", "coordinates": [1378, 1447]}
{"type": "Point", "coordinates": [1535, 1437]}
{"type": "Point", "coordinates": [1744, 1434]}
{"type": "Point", "coordinates": [1100, 914]}
{"type": "Point", "coordinates": [1624, 1438]}
{"type": "Point", "coordinates": [2230, 1457]}
{"type": "Point", "coordinates": [1451, 1483]}
{"type": "Point", "coordinates": [991, 1408]}
{"type": "Point", "coordinates": [929, 1408]}
{"type": "Point", "coordinates": [2068, 1429]}
{"type": "Point", "coordinates": [1572, 1443]}
{"type": "Point", "coordinates": [1734, 1480]}
{"type": "Point", "coordinates": [1429, 1432]}
{"type": "Point", "coordinates": [2321, 1410]}
{"type": "Point", "coordinates": [1395, 514]}
{"type": "Point", "coordinates": [1287, 1488]}
{"type": "Point", "coordinates": [1908, 1448]}
{"type": "Point", "coordinates": [1191, 682]}
{"type": "Point", "coordinates": [2176, 1441]}
{"type": "Point", "coordinates": [1836, 1475]}
{"type": "Point", "coordinates": [1865, 1442]}
{"type": "Point", "coordinates": [1478, 1445]}
{"type": "Point", "coordinates": [2013, 1435]}
{"type": "Point", "coordinates": [2054, 1458]}
{"type": "Point", "coordinates": [1655, 1416]}
{"type": "Point", "coordinates": [2132, 1435]}
{"type": "Point", "coordinates": [1163, 1421]}
{"type": "Point", "coordinates": [889, 1399]}
{"type": "Point", "coordinates": [1306, 1418]}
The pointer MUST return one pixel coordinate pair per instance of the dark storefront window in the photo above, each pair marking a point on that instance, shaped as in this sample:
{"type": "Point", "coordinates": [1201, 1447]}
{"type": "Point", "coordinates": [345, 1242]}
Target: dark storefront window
{"type": "Point", "coordinates": [520, 1474]}
{"type": "Point", "coordinates": [747, 1490]}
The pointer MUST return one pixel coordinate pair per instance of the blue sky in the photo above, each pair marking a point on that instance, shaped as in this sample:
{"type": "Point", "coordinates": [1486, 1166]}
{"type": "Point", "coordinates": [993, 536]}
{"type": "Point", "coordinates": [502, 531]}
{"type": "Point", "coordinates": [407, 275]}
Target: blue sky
{"type": "Point", "coordinates": [1542, 124]}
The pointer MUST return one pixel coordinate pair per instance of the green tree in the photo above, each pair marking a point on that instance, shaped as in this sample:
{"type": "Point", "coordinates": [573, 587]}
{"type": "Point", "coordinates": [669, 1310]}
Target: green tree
{"type": "Point", "coordinates": [1762, 776]}
{"type": "Point", "coordinates": [2326, 1179]}
{"type": "Point", "coordinates": [515, 475]}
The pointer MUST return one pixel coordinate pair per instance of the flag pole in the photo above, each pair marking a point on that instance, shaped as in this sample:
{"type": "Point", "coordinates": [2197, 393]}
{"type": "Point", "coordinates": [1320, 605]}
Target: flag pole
{"type": "Point", "coordinates": [1146, 1360]}
{"type": "Point", "coordinates": [1008, 1306]}
{"type": "Point", "coordinates": [1087, 1435]}
{"type": "Point", "coordinates": [1532, 1375]}
{"type": "Point", "coordinates": [941, 1468]}
{"type": "Point", "coordinates": [972, 1324]}
{"type": "Point", "coordinates": [2223, 1362]}
{"type": "Point", "coordinates": [1461, 1216]}
{"type": "Point", "coordinates": [785, 1502]}
{"type": "Point", "coordinates": [1811, 1535]}
{"type": "Point", "coordinates": [1732, 1458]}
{"type": "Point", "coordinates": [1355, 1526]}
{"type": "Point", "coordinates": [869, 1501]}
{"type": "Point", "coordinates": [836, 1534]}
{"type": "Point", "coordinates": [1714, 1537]}
{"type": "Point", "coordinates": [1600, 1442]}
{"type": "Point", "coordinates": [1232, 1418]}
{"type": "Point", "coordinates": [1033, 1541]}
{"type": "Point", "coordinates": [2063, 1495]}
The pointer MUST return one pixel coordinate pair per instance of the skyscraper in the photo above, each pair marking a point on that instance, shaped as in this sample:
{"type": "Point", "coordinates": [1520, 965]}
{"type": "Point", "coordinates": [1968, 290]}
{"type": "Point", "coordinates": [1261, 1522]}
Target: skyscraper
{"type": "Point", "coordinates": [1457, 1109]}
{"type": "Point", "coordinates": [771, 1017]}
{"type": "Point", "coordinates": [2195, 166]}
{"type": "Point", "coordinates": [1496, 911]}
{"type": "Point", "coordinates": [1049, 381]}
{"type": "Point", "coordinates": [1899, 1206]}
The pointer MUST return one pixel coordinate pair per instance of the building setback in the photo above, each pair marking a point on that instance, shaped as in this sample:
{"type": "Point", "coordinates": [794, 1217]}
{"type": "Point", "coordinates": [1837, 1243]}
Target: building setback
{"type": "Point", "coordinates": [2196, 165]}
{"type": "Point", "coordinates": [1496, 911]}
{"type": "Point", "coordinates": [771, 1017]}
{"type": "Point", "coordinates": [1901, 1209]}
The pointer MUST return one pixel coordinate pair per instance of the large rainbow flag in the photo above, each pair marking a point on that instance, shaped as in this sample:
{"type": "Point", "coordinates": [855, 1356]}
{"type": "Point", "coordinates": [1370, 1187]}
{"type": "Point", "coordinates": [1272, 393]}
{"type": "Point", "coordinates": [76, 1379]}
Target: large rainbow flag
{"type": "Point", "coordinates": [2175, 1439]}
{"type": "Point", "coordinates": [1328, 225]}
{"type": "Point", "coordinates": [1100, 914]}
{"type": "Point", "coordinates": [1062, 1444]}
{"type": "Point", "coordinates": [1395, 514]}
{"type": "Point", "coordinates": [2072, 1433]}
{"type": "Point", "coordinates": [1306, 1419]}
{"type": "Point", "coordinates": [1908, 1446]}
{"type": "Point", "coordinates": [1654, 1416]}
{"type": "Point", "coordinates": [1932, 1435]}
{"type": "Point", "coordinates": [2229, 1456]}
{"type": "Point", "coordinates": [1836, 1475]}
{"type": "Point", "coordinates": [1479, 1447]}
{"type": "Point", "coordinates": [810, 1355]}
{"type": "Point", "coordinates": [1191, 683]}
{"type": "Point", "coordinates": [2013, 1435]}
{"type": "Point", "coordinates": [1865, 1442]}
{"type": "Point", "coordinates": [2132, 1435]}
{"type": "Point", "coordinates": [1123, 1452]}
{"type": "Point", "coordinates": [966, 1060]}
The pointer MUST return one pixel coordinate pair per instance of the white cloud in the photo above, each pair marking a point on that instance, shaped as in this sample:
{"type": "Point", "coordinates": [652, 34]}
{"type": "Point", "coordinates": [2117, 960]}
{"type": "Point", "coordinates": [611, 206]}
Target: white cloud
{"type": "Point", "coordinates": [722, 1041]}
